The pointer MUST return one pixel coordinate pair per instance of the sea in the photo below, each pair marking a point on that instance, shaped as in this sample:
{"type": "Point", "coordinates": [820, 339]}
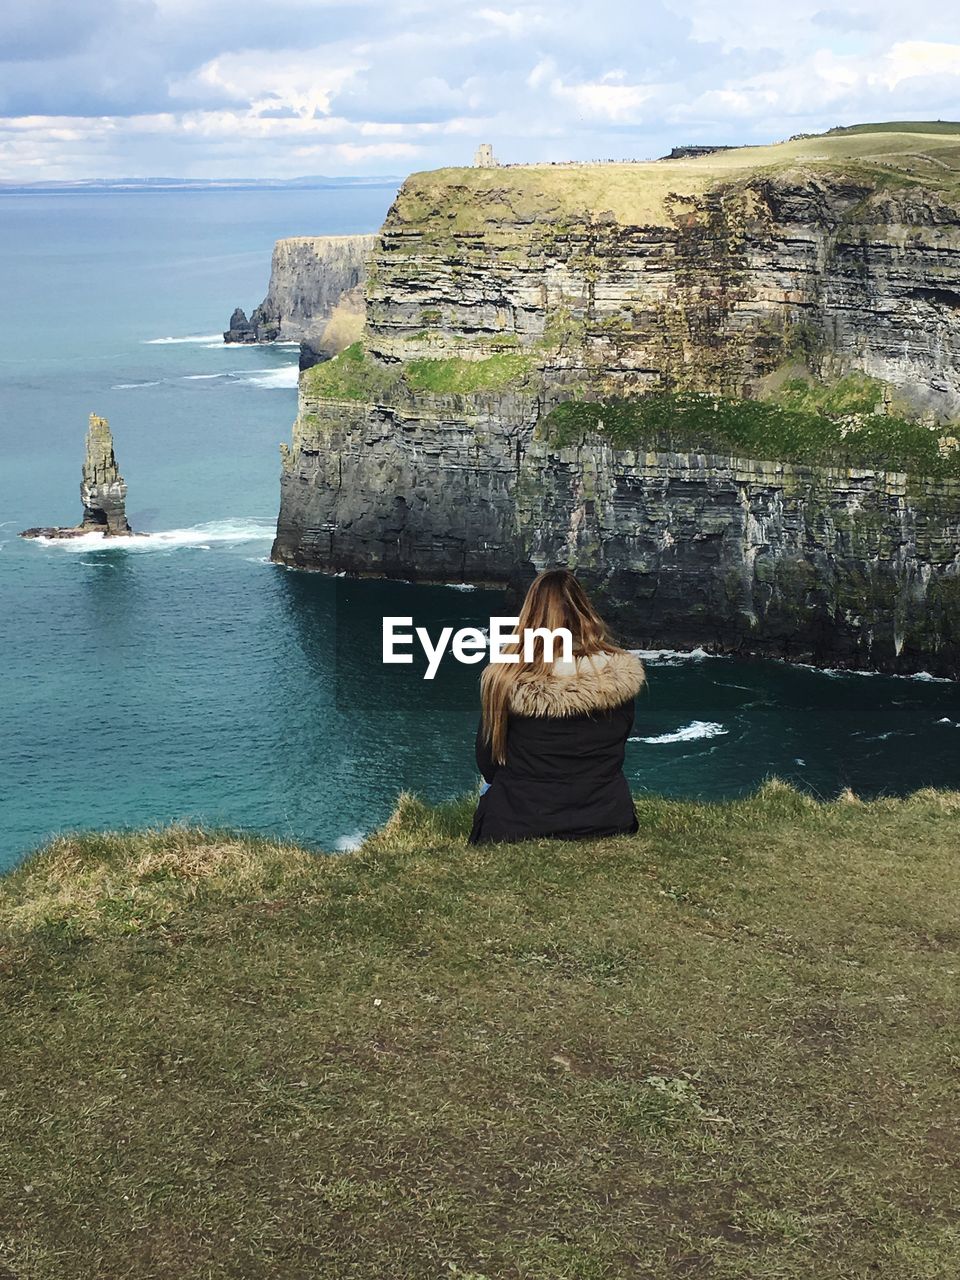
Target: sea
{"type": "Point", "coordinates": [183, 677]}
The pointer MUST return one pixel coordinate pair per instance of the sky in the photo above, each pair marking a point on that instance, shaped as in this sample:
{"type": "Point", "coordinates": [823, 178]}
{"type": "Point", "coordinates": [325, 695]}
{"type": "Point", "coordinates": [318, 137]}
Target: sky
{"type": "Point", "coordinates": [285, 88]}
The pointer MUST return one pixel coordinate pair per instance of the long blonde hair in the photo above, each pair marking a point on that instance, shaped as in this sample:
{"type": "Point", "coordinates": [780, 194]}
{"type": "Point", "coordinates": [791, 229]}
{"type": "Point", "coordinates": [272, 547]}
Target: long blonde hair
{"type": "Point", "coordinates": [555, 599]}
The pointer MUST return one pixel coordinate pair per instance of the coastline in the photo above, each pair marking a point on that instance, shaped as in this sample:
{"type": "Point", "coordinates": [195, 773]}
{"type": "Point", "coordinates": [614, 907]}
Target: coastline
{"type": "Point", "coordinates": [645, 646]}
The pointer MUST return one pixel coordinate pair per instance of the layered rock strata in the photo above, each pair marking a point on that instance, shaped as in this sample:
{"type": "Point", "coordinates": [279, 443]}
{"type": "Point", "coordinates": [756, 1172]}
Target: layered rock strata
{"type": "Point", "coordinates": [314, 297]}
{"type": "Point", "coordinates": [103, 490]}
{"type": "Point", "coordinates": [495, 295]}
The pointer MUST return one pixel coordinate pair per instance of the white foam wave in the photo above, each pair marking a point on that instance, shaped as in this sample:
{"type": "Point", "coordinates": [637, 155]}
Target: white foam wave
{"type": "Point", "coordinates": [460, 586]}
{"type": "Point", "coordinates": [826, 671]}
{"type": "Point", "coordinates": [271, 378]}
{"type": "Point", "coordinates": [689, 733]}
{"type": "Point", "coordinates": [670, 657]}
{"type": "Point", "coordinates": [348, 844]}
{"type": "Point", "coordinates": [191, 337]}
{"type": "Point", "coordinates": [841, 672]}
{"type": "Point", "coordinates": [135, 386]}
{"type": "Point", "coordinates": [275, 379]}
{"type": "Point", "coordinates": [225, 532]}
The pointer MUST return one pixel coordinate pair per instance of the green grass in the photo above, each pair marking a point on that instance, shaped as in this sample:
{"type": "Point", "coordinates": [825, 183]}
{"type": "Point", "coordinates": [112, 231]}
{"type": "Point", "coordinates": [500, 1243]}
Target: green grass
{"type": "Point", "coordinates": [351, 375]}
{"type": "Point", "coordinates": [356, 375]}
{"type": "Point", "coordinates": [826, 427]}
{"type": "Point", "coordinates": [726, 1048]}
{"type": "Point", "coordinates": [855, 393]}
{"type": "Point", "coordinates": [951, 127]}
{"type": "Point", "coordinates": [454, 375]}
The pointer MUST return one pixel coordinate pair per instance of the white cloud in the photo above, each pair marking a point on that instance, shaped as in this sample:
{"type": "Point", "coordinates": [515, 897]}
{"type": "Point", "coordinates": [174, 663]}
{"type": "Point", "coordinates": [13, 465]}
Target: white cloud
{"type": "Point", "coordinates": [296, 79]}
{"type": "Point", "coordinates": [828, 81]}
{"type": "Point", "coordinates": [760, 24]}
{"type": "Point", "coordinates": [353, 153]}
{"type": "Point", "coordinates": [545, 70]}
{"type": "Point", "coordinates": [918, 58]}
{"type": "Point", "coordinates": [513, 24]}
{"type": "Point", "coordinates": [223, 88]}
{"type": "Point", "coordinates": [606, 98]}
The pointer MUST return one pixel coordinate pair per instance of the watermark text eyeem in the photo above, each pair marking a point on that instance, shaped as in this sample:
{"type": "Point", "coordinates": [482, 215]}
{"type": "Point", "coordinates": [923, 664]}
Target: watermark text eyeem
{"type": "Point", "coordinates": [472, 644]}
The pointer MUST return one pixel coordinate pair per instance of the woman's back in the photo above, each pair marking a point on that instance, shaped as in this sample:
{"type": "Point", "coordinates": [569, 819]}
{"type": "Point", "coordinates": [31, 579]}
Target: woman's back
{"type": "Point", "coordinates": [562, 774]}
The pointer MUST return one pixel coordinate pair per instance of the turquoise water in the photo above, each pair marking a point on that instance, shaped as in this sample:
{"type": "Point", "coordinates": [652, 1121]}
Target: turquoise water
{"type": "Point", "coordinates": [185, 677]}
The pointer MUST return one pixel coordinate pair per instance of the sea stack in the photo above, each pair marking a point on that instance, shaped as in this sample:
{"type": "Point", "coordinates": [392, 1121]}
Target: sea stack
{"type": "Point", "coordinates": [103, 491]}
{"type": "Point", "coordinates": [102, 488]}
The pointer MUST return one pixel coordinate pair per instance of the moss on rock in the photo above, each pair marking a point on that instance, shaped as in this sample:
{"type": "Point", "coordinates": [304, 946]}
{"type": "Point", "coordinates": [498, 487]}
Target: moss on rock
{"type": "Point", "coordinates": [788, 432]}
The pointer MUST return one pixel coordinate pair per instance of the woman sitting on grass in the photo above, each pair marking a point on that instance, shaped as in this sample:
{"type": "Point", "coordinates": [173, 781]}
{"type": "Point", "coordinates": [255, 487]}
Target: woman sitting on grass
{"type": "Point", "coordinates": [551, 737]}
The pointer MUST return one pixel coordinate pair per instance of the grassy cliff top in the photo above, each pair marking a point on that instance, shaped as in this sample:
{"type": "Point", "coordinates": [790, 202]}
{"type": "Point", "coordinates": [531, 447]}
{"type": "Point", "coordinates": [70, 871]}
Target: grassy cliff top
{"type": "Point", "coordinates": [726, 1047]}
{"type": "Point", "coordinates": [637, 194]}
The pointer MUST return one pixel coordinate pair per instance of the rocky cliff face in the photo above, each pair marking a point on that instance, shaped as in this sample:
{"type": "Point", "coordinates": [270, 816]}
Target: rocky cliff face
{"type": "Point", "coordinates": [103, 490]}
{"type": "Point", "coordinates": [495, 295]}
{"type": "Point", "coordinates": [847, 566]}
{"type": "Point", "coordinates": [729, 284]}
{"type": "Point", "coordinates": [315, 290]}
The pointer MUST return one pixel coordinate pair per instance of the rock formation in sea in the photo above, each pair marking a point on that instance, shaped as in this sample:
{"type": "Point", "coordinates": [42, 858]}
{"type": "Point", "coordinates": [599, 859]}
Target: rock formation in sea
{"type": "Point", "coordinates": [719, 388]}
{"type": "Point", "coordinates": [315, 296]}
{"type": "Point", "coordinates": [103, 491]}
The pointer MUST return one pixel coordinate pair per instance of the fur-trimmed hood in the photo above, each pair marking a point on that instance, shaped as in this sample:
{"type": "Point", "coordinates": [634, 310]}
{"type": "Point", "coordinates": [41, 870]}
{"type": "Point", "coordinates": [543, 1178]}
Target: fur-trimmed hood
{"type": "Point", "coordinates": [595, 683]}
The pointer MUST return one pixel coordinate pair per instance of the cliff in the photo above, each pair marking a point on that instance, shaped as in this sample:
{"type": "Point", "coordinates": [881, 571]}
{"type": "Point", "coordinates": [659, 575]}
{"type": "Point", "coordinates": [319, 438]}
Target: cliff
{"type": "Point", "coordinates": [314, 295]}
{"type": "Point", "coordinates": [794, 311]}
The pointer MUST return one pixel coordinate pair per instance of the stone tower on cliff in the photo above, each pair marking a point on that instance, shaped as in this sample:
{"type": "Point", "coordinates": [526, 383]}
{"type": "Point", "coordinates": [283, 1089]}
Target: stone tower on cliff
{"type": "Point", "coordinates": [102, 488]}
{"type": "Point", "coordinates": [484, 157]}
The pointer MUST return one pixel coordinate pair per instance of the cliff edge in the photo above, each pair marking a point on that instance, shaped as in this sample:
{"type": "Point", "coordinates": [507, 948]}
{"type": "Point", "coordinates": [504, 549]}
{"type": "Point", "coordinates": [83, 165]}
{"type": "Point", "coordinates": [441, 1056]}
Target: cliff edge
{"type": "Point", "coordinates": [315, 295]}
{"type": "Point", "coordinates": [723, 1046]}
{"type": "Point", "coordinates": [720, 388]}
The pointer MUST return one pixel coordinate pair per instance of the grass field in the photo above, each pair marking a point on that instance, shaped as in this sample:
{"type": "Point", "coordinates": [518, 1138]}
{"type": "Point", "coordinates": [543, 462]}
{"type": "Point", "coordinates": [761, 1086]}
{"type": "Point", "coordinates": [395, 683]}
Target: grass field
{"type": "Point", "coordinates": [726, 1047]}
{"type": "Point", "coordinates": [638, 193]}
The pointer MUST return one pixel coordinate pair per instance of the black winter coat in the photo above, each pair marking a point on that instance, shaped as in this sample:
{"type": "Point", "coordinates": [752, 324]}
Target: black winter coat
{"type": "Point", "coordinates": [563, 776]}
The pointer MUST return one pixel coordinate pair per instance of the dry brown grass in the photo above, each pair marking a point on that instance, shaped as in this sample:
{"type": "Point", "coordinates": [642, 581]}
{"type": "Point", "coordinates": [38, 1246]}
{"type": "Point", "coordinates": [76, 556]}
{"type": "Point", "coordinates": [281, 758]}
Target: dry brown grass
{"type": "Point", "coordinates": [151, 872]}
{"type": "Point", "coordinates": [638, 194]}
